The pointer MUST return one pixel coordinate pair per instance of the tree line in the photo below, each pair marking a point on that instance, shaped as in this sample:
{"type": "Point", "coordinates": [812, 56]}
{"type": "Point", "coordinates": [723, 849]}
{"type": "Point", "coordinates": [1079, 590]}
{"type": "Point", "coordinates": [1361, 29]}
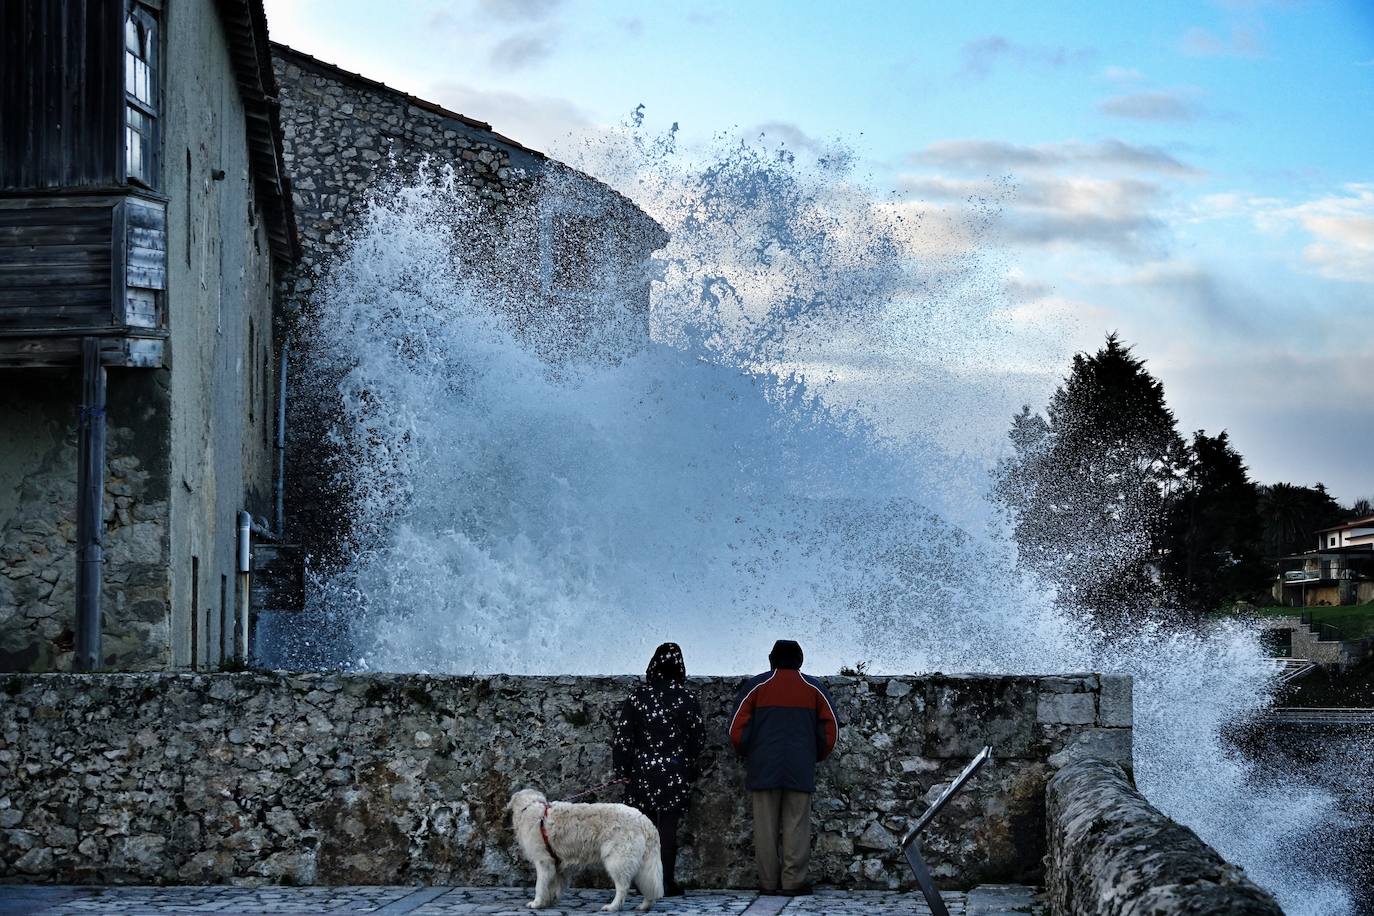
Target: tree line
{"type": "Point", "coordinates": [1117, 510]}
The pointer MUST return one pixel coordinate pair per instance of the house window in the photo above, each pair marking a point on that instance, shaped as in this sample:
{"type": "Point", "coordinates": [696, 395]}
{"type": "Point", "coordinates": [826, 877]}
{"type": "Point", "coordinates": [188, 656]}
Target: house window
{"type": "Point", "coordinates": [140, 95]}
{"type": "Point", "coordinates": [1331, 540]}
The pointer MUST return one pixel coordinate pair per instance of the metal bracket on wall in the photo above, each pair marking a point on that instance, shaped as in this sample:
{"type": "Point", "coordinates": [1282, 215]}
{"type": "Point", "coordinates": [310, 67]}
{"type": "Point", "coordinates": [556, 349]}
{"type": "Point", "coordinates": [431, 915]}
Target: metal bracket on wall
{"type": "Point", "coordinates": [911, 843]}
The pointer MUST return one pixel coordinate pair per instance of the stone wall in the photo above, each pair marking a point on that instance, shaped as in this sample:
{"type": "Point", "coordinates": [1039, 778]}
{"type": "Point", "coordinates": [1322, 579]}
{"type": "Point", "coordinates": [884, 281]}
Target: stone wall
{"type": "Point", "coordinates": [568, 257]}
{"type": "Point", "coordinates": [38, 458]}
{"type": "Point", "coordinates": [1112, 854]}
{"type": "Point", "coordinates": [343, 779]}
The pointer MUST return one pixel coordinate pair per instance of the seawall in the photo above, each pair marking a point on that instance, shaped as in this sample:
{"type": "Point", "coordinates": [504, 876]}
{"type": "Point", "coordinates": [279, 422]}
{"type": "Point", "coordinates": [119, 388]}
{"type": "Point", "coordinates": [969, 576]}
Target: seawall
{"type": "Point", "coordinates": [394, 779]}
{"type": "Point", "coordinates": [1112, 853]}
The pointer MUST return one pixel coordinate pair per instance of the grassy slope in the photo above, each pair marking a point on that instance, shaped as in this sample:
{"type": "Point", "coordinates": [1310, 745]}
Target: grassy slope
{"type": "Point", "coordinates": [1353, 620]}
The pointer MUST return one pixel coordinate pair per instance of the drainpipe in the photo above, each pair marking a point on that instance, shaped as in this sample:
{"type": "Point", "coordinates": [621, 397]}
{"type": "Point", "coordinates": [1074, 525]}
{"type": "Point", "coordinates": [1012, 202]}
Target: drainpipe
{"type": "Point", "coordinates": [90, 506]}
{"type": "Point", "coordinates": [281, 443]}
{"type": "Point", "coordinates": [245, 567]}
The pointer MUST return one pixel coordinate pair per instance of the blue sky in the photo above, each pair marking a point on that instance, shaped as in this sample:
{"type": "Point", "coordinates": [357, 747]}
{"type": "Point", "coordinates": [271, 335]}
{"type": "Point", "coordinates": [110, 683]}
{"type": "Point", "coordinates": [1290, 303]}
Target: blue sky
{"type": "Point", "coordinates": [1197, 176]}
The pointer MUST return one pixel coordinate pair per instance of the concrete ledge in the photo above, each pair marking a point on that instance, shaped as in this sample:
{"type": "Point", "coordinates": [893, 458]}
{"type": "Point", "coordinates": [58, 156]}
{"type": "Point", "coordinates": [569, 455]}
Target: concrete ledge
{"type": "Point", "coordinates": [1112, 854]}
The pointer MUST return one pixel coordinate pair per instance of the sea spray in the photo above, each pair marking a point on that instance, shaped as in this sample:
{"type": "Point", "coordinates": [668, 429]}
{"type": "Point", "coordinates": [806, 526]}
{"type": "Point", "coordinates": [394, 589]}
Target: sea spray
{"type": "Point", "coordinates": [526, 514]}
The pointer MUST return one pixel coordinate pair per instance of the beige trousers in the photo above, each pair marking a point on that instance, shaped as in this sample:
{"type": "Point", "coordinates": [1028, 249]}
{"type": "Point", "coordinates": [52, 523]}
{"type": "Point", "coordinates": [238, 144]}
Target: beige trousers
{"type": "Point", "coordinates": [786, 814]}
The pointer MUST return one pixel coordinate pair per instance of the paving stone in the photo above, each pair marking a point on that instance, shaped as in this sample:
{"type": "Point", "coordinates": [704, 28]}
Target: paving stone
{"type": "Point", "coordinates": [993, 900]}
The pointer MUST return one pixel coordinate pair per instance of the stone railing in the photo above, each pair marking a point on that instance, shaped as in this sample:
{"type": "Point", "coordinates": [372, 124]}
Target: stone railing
{"type": "Point", "coordinates": [364, 778]}
{"type": "Point", "coordinates": [1113, 854]}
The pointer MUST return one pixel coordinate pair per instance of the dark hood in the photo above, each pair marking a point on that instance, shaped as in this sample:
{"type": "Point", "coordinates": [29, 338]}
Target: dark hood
{"type": "Point", "coordinates": [667, 666]}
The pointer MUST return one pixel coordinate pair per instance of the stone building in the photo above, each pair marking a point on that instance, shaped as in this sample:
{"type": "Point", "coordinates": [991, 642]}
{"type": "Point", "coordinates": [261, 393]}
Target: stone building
{"type": "Point", "coordinates": [571, 256]}
{"type": "Point", "coordinates": [148, 249]}
{"type": "Point", "coordinates": [143, 225]}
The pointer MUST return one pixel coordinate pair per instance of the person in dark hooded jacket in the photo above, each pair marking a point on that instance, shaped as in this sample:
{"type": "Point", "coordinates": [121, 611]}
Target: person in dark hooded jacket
{"type": "Point", "coordinates": [657, 740]}
{"type": "Point", "coordinates": [784, 723]}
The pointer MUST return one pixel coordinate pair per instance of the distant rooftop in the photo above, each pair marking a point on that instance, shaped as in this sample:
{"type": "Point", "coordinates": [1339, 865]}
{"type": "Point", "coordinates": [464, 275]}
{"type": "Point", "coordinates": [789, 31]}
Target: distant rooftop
{"type": "Point", "coordinates": [1352, 523]}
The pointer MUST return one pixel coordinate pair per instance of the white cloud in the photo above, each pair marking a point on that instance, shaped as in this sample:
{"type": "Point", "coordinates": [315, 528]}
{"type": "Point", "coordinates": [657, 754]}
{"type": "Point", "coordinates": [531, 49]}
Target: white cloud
{"type": "Point", "coordinates": [1342, 230]}
{"type": "Point", "coordinates": [1241, 41]}
{"type": "Point", "coordinates": [1340, 226]}
{"type": "Point", "coordinates": [542, 122]}
{"type": "Point", "coordinates": [996, 155]}
{"type": "Point", "coordinates": [1057, 211]}
{"type": "Point", "coordinates": [980, 57]}
{"type": "Point", "coordinates": [518, 10]}
{"type": "Point", "coordinates": [523, 49]}
{"type": "Point", "coordinates": [1160, 105]}
{"type": "Point", "coordinates": [1122, 74]}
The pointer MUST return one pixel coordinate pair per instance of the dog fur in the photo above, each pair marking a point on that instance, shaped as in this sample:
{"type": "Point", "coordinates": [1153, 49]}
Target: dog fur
{"type": "Point", "coordinates": [618, 837]}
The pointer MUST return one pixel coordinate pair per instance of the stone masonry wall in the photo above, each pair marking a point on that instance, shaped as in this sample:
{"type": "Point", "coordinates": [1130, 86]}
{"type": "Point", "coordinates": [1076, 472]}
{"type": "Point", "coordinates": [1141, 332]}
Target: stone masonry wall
{"type": "Point", "coordinates": [553, 244]}
{"type": "Point", "coordinates": [1113, 854]}
{"type": "Point", "coordinates": [396, 779]}
{"type": "Point", "coordinates": [38, 459]}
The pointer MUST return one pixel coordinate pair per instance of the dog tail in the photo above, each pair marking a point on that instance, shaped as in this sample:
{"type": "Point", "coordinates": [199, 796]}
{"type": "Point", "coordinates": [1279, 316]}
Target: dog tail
{"type": "Point", "coordinates": [649, 879]}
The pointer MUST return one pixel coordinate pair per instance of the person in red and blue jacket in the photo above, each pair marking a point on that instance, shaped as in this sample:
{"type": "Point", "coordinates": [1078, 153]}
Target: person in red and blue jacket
{"type": "Point", "coordinates": [784, 724]}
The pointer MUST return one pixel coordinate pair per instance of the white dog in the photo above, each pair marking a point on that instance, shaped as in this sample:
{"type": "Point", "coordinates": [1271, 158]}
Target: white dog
{"type": "Point", "coordinates": [559, 835]}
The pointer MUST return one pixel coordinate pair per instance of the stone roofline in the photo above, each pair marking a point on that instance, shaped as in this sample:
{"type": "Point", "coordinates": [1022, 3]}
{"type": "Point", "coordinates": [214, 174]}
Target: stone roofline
{"type": "Point", "coordinates": [301, 58]}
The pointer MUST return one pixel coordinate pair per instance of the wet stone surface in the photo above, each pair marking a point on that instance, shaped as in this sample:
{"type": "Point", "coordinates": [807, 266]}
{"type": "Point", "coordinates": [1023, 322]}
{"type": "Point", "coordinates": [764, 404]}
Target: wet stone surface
{"type": "Point", "coordinates": [1001, 900]}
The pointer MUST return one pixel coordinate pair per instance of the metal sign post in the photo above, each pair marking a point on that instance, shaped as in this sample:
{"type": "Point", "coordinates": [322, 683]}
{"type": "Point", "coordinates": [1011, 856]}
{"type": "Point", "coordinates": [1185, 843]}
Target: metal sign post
{"type": "Point", "coordinates": [911, 843]}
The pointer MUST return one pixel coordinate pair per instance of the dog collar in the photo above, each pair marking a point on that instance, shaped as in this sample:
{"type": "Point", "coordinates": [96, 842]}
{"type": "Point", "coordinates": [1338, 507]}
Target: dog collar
{"type": "Point", "coordinates": [543, 832]}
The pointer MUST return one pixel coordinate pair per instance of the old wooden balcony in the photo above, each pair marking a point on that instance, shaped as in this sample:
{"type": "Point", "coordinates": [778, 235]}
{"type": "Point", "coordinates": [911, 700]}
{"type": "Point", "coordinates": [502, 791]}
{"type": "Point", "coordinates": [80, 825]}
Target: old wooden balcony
{"type": "Point", "coordinates": [77, 265]}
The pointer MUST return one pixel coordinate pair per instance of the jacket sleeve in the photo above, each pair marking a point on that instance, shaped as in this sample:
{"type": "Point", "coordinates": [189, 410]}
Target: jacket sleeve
{"type": "Point", "coordinates": [743, 716]}
{"type": "Point", "coordinates": [623, 739]}
{"type": "Point", "coordinates": [827, 725]}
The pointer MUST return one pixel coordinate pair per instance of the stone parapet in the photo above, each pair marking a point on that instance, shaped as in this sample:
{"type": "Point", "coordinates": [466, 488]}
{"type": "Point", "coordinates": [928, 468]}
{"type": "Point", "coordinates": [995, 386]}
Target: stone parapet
{"type": "Point", "coordinates": [1111, 853]}
{"type": "Point", "coordinates": [263, 777]}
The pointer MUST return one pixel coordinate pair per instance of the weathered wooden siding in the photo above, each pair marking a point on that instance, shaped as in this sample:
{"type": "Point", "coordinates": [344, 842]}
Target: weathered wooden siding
{"type": "Point", "coordinates": [145, 262]}
{"type": "Point", "coordinates": [81, 264]}
{"type": "Point", "coordinates": [56, 262]}
{"type": "Point", "coordinates": [61, 94]}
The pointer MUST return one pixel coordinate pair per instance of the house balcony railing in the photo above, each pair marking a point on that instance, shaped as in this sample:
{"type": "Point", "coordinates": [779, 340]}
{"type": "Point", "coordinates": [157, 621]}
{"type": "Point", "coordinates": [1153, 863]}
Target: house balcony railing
{"type": "Point", "coordinates": [1310, 576]}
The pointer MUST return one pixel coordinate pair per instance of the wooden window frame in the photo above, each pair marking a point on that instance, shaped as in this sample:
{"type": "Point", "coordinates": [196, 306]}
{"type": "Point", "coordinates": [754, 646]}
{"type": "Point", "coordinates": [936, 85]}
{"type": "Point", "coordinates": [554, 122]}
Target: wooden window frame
{"type": "Point", "coordinates": [151, 109]}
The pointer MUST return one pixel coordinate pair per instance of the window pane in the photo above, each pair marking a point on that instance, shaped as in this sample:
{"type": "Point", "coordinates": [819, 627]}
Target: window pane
{"type": "Point", "coordinates": [136, 137]}
{"type": "Point", "coordinates": [140, 86]}
{"type": "Point", "coordinates": [138, 79]}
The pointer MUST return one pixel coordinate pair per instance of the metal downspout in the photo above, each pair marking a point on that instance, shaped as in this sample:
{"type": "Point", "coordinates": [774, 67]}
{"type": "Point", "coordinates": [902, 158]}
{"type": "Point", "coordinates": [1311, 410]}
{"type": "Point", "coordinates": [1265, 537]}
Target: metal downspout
{"type": "Point", "coordinates": [280, 521]}
{"type": "Point", "coordinates": [90, 506]}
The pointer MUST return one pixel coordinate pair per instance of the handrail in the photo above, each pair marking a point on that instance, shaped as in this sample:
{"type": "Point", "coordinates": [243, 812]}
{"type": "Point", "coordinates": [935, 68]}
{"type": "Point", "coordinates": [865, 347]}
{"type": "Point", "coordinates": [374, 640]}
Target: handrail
{"type": "Point", "coordinates": [1325, 632]}
{"type": "Point", "coordinates": [1320, 715]}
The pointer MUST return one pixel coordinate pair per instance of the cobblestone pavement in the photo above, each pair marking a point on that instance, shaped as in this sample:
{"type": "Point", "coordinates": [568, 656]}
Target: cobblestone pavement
{"type": "Point", "coordinates": [36, 900]}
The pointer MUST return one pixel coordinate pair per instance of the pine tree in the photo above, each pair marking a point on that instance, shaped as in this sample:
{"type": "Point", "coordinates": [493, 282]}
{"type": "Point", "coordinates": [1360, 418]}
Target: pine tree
{"type": "Point", "coordinates": [1087, 483]}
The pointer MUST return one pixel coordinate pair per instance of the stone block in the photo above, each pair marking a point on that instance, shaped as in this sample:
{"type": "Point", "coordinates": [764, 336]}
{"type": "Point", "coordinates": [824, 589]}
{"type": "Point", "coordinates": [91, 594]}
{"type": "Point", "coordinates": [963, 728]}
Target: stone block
{"type": "Point", "coordinates": [1112, 744]}
{"type": "Point", "coordinates": [1115, 704]}
{"type": "Point", "coordinates": [1067, 708]}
